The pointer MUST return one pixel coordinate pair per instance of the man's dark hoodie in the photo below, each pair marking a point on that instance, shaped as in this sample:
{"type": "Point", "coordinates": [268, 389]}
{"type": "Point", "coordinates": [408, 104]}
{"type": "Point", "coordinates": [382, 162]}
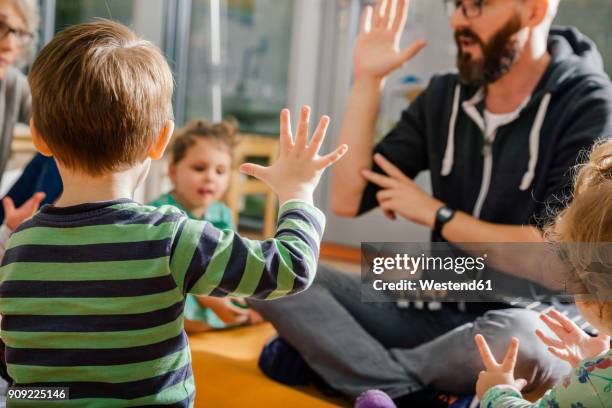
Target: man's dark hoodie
{"type": "Point", "coordinates": [515, 175]}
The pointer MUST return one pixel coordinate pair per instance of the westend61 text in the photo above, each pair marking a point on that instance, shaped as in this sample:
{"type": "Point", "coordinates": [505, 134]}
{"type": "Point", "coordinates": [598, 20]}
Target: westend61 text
{"type": "Point", "coordinates": [431, 285]}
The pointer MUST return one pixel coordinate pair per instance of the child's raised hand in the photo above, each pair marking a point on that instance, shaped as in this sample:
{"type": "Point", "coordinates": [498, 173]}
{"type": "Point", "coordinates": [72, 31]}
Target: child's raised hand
{"type": "Point", "coordinates": [573, 344]}
{"type": "Point", "coordinates": [15, 216]}
{"type": "Point", "coordinates": [497, 374]}
{"type": "Point", "coordinates": [299, 167]}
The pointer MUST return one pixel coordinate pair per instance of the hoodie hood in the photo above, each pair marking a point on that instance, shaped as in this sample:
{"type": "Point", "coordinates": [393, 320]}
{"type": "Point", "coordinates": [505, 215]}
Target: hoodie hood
{"type": "Point", "coordinates": [574, 56]}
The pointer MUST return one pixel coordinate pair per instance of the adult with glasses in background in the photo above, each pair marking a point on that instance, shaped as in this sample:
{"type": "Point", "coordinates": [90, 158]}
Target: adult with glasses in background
{"type": "Point", "coordinates": [500, 137]}
{"type": "Point", "coordinates": [18, 25]}
{"type": "Point", "coordinates": [19, 20]}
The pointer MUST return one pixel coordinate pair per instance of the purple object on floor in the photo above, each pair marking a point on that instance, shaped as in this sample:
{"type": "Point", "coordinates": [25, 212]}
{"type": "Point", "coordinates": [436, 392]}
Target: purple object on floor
{"type": "Point", "coordinates": [374, 399]}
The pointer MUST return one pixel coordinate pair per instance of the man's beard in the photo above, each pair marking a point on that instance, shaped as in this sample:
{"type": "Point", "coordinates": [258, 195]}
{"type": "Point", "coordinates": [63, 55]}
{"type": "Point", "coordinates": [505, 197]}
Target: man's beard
{"type": "Point", "coordinates": [498, 55]}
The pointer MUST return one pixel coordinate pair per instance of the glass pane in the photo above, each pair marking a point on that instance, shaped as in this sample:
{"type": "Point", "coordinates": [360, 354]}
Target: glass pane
{"type": "Point", "coordinates": [247, 78]}
{"type": "Point", "coordinates": [70, 12]}
{"type": "Point", "coordinates": [591, 17]}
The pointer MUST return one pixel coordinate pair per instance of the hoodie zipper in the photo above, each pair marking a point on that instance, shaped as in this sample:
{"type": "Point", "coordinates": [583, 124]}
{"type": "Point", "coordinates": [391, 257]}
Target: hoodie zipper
{"type": "Point", "coordinates": [470, 109]}
{"type": "Point", "coordinates": [487, 169]}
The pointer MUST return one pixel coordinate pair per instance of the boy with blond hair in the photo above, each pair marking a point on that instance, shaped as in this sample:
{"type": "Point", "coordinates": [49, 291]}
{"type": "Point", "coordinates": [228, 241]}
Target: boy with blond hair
{"type": "Point", "coordinates": [93, 288]}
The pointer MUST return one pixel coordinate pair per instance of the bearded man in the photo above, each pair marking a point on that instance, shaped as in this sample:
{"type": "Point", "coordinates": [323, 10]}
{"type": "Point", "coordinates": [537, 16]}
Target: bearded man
{"type": "Point", "coordinates": [500, 138]}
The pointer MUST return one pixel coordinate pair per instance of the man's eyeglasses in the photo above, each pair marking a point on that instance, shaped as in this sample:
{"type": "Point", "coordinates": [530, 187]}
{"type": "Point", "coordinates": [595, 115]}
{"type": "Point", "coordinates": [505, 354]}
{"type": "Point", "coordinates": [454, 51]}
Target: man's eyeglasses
{"type": "Point", "coordinates": [469, 8]}
{"type": "Point", "coordinates": [23, 36]}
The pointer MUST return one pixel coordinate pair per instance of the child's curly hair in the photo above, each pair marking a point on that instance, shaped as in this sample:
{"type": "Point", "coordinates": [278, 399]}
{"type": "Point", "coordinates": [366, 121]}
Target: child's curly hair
{"type": "Point", "coordinates": [589, 217]}
{"type": "Point", "coordinates": [225, 133]}
{"type": "Point", "coordinates": [584, 228]}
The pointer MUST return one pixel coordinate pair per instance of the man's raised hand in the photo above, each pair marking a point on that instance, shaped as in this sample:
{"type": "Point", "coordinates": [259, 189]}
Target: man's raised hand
{"type": "Point", "coordinates": [377, 51]}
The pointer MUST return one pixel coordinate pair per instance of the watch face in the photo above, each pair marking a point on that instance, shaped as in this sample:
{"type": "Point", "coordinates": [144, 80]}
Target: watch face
{"type": "Point", "coordinates": [445, 212]}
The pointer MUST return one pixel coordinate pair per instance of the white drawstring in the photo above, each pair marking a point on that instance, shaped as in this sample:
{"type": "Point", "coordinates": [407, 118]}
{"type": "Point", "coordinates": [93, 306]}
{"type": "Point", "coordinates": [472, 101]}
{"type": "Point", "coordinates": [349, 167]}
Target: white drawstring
{"type": "Point", "coordinates": [447, 162]}
{"type": "Point", "coordinates": [534, 138]}
{"type": "Point", "coordinates": [534, 143]}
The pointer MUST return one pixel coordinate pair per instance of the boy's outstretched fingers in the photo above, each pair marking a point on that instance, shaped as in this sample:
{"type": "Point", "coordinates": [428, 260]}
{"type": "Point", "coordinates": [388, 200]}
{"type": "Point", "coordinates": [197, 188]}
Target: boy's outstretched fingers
{"type": "Point", "coordinates": [298, 169]}
{"type": "Point", "coordinates": [301, 138]}
{"type": "Point", "coordinates": [286, 137]}
{"type": "Point", "coordinates": [332, 157]}
{"type": "Point", "coordinates": [318, 137]}
{"type": "Point", "coordinates": [255, 170]}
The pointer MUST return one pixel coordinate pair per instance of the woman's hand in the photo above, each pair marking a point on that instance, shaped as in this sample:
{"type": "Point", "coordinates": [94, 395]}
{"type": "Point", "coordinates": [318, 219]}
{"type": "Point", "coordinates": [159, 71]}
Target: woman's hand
{"type": "Point", "coordinates": [572, 344]}
{"type": "Point", "coordinates": [497, 374]}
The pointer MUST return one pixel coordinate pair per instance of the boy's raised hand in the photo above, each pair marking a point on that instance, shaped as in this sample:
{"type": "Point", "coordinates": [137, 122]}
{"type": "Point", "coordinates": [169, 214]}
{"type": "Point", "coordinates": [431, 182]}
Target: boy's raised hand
{"type": "Point", "coordinates": [13, 217]}
{"type": "Point", "coordinates": [573, 344]}
{"type": "Point", "coordinates": [299, 167]}
{"type": "Point", "coordinates": [497, 374]}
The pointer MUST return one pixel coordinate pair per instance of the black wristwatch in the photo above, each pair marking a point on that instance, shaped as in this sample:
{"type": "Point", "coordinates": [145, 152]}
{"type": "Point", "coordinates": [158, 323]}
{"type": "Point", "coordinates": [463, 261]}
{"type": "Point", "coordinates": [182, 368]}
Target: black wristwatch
{"type": "Point", "coordinates": [443, 215]}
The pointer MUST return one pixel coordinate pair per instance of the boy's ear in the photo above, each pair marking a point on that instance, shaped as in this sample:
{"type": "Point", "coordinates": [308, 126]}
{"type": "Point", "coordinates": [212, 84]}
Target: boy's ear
{"type": "Point", "coordinates": [38, 141]}
{"type": "Point", "coordinates": [156, 151]}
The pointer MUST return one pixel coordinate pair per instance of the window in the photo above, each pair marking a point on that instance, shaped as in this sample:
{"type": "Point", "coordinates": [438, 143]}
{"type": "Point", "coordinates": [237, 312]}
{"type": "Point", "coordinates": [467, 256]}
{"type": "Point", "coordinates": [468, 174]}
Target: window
{"type": "Point", "coordinates": [70, 12]}
{"type": "Point", "coordinates": [239, 61]}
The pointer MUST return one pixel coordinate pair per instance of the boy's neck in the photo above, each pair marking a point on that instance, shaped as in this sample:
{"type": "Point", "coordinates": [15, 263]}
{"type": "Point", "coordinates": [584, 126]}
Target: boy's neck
{"type": "Point", "coordinates": [80, 188]}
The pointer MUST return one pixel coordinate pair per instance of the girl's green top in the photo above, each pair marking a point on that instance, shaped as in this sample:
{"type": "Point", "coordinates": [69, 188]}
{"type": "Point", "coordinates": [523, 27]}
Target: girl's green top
{"type": "Point", "coordinates": [218, 214]}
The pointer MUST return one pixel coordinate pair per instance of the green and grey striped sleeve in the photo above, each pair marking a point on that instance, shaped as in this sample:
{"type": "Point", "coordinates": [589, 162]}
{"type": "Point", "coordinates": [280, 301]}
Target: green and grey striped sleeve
{"type": "Point", "coordinates": [214, 262]}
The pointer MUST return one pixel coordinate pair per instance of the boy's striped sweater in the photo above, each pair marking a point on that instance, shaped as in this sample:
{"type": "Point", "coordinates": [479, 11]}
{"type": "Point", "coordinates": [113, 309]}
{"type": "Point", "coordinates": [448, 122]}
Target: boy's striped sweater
{"type": "Point", "coordinates": [92, 296]}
